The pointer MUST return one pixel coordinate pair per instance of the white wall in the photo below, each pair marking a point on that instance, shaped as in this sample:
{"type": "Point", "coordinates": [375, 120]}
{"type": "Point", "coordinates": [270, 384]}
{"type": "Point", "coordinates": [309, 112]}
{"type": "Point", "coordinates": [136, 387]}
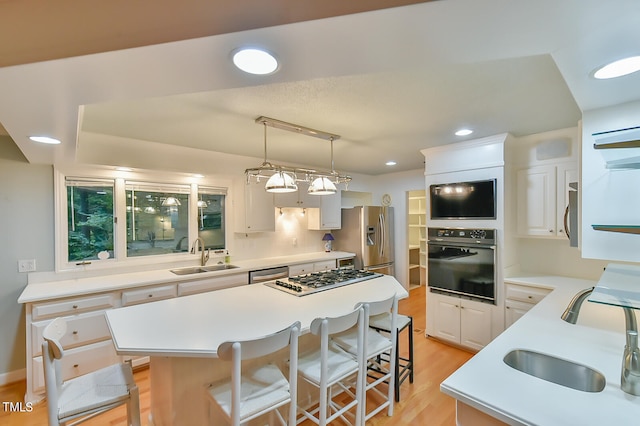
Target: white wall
{"type": "Point", "coordinates": [26, 226]}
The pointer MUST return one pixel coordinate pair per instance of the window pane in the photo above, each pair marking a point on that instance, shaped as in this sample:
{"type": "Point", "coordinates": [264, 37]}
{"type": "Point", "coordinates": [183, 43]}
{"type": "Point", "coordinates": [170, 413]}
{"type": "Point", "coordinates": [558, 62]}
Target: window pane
{"type": "Point", "coordinates": [90, 219]}
{"type": "Point", "coordinates": [157, 222]}
{"type": "Point", "coordinates": [211, 220]}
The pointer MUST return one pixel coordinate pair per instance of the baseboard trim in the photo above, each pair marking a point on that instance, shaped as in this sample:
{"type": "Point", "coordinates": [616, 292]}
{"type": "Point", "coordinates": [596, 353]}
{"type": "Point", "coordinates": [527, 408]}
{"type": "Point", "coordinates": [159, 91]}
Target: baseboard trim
{"type": "Point", "coordinates": [13, 376]}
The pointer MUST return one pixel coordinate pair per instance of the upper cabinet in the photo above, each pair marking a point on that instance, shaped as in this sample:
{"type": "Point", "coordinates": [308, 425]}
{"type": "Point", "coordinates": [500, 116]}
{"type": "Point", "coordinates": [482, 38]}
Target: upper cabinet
{"type": "Point", "coordinates": [254, 211]}
{"type": "Point", "coordinates": [328, 215]}
{"type": "Point", "coordinates": [299, 198]}
{"type": "Point", "coordinates": [543, 199]}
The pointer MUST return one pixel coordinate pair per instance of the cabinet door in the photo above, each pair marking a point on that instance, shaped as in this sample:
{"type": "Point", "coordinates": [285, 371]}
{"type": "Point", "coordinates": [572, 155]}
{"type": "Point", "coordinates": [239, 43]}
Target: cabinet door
{"type": "Point", "coordinates": [536, 201]}
{"type": "Point", "coordinates": [328, 216]}
{"type": "Point", "coordinates": [475, 324]}
{"type": "Point", "coordinates": [446, 317]}
{"type": "Point", "coordinates": [514, 310]}
{"type": "Point", "coordinates": [566, 173]}
{"type": "Point", "coordinates": [254, 211]}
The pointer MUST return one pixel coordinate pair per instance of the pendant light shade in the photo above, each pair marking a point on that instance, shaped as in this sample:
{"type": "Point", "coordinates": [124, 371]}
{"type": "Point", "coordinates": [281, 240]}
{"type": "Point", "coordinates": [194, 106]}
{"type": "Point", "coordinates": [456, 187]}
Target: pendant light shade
{"type": "Point", "coordinates": [281, 182]}
{"type": "Point", "coordinates": [322, 186]}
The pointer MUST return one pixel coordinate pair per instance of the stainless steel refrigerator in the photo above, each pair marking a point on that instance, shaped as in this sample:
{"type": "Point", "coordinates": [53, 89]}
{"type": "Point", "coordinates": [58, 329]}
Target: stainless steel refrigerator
{"type": "Point", "coordinates": [368, 232]}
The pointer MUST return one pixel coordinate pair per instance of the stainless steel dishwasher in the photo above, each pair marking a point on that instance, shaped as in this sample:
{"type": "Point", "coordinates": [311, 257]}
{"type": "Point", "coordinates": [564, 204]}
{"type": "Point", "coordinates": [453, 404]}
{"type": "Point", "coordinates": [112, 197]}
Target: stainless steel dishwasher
{"type": "Point", "coordinates": [269, 274]}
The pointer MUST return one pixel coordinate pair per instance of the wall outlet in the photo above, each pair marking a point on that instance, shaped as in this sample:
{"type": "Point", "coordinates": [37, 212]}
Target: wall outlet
{"type": "Point", "coordinates": [27, 265]}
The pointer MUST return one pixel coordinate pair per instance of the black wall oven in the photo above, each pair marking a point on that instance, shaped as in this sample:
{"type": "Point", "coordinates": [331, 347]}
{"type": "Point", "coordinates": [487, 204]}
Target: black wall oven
{"type": "Point", "coordinates": [462, 262]}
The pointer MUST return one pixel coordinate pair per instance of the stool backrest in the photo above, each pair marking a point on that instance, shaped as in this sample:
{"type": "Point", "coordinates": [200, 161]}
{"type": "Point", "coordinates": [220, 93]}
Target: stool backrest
{"type": "Point", "coordinates": [52, 353]}
{"type": "Point", "coordinates": [260, 346]}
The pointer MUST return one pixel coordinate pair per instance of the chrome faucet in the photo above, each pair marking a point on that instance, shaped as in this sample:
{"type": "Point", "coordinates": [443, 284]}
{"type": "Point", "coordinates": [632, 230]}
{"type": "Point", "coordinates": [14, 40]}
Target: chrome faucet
{"type": "Point", "coordinates": [630, 375]}
{"type": "Point", "coordinates": [204, 257]}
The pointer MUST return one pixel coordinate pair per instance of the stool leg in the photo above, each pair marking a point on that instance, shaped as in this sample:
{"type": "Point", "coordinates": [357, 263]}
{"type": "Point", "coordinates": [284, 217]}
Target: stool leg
{"type": "Point", "coordinates": [396, 382]}
{"type": "Point", "coordinates": [411, 350]}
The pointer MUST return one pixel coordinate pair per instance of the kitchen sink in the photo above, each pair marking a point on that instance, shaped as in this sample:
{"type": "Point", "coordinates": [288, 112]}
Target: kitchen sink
{"type": "Point", "coordinates": [200, 269]}
{"type": "Point", "coordinates": [556, 370]}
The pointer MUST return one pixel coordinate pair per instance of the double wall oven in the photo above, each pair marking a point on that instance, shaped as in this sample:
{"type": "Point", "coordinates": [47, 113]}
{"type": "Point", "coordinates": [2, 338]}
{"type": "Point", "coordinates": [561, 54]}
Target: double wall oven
{"type": "Point", "coordinates": [462, 262]}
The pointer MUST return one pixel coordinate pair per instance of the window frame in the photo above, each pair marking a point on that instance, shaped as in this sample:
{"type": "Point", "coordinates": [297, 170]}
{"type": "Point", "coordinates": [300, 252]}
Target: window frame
{"type": "Point", "coordinates": [120, 179]}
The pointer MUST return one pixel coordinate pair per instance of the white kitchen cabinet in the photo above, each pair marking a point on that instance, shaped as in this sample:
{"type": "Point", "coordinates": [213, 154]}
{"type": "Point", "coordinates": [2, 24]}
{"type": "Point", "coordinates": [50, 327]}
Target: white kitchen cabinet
{"type": "Point", "coordinates": [328, 215]}
{"type": "Point", "coordinates": [300, 198]}
{"type": "Point", "coordinates": [211, 284]}
{"type": "Point", "coordinates": [148, 294]}
{"type": "Point", "coordinates": [542, 199]}
{"type": "Point", "coordinates": [254, 211]}
{"type": "Point", "coordinates": [519, 299]}
{"type": "Point", "coordinates": [307, 268]}
{"type": "Point", "coordinates": [460, 321]}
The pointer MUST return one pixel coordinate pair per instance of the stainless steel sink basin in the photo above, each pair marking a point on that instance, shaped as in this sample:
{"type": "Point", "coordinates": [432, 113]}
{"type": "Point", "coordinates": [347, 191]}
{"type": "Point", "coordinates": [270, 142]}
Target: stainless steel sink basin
{"type": "Point", "coordinates": [200, 269]}
{"type": "Point", "coordinates": [556, 370]}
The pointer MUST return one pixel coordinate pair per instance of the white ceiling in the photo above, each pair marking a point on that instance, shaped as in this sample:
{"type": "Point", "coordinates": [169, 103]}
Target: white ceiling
{"type": "Point", "coordinates": [390, 82]}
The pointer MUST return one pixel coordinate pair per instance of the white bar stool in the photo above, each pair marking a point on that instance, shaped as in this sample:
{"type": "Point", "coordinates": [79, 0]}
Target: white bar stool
{"type": "Point", "coordinates": [376, 345]}
{"type": "Point", "coordinates": [84, 397]}
{"type": "Point", "coordinates": [328, 366]}
{"type": "Point", "coordinates": [262, 389]}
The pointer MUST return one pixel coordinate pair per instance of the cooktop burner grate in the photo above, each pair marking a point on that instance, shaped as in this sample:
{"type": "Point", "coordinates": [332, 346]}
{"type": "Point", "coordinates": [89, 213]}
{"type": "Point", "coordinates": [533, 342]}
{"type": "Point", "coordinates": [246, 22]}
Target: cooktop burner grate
{"type": "Point", "coordinates": [314, 282]}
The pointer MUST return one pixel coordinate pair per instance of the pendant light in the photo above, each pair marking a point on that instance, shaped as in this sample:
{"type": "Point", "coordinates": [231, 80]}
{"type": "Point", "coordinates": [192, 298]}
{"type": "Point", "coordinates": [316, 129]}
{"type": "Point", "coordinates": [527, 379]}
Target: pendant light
{"type": "Point", "coordinates": [285, 178]}
{"type": "Point", "coordinates": [280, 181]}
{"type": "Point", "coordinates": [322, 185]}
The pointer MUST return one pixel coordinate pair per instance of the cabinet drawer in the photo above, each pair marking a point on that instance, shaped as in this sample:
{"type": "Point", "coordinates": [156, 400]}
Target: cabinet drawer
{"type": "Point", "coordinates": [200, 286]}
{"type": "Point", "coordinates": [72, 306]}
{"type": "Point", "coordinates": [148, 294]}
{"type": "Point", "coordinates": [81, 330]}
{"type": "Point", "coordinates": [78, 361]}
{"type": "Point", "coordinates": [300, 268]}
{"type": "Point", "coordinates": [324, 266]}
{"type": "Point", "coordinates": [525, 293]}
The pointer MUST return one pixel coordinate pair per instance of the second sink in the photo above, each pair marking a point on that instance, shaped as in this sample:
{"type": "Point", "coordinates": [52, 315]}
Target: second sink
{"type": "Point", "coordinates": [556, 370]}
{"type": "Point", "coordinates": [199, 269]}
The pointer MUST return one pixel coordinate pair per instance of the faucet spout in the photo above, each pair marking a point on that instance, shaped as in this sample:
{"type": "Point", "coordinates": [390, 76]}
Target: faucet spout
{"type": "Point", "coordinates": [570, 314]}
{"type": "Point", "coordinates": [198, 244]}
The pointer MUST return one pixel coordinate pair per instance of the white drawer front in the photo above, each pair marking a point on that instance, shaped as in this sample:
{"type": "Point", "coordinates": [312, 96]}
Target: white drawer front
{"type": "Point", "coordinates": [77, 362]}
{"type": "Point", "coordinates": [73, 306]}
{"type": "Point", "coordinates": [200, 286]}
{"type": "Point", "coordinates": [81, 330]}
{"type": "Point", "coordinates": [525, 293]}
{"type": "Point", "coordinates": [327, 265]}
{"type": "Point", "coordinates": [301, 268]}
{"type": "Point", "coordinates": [149, 294]}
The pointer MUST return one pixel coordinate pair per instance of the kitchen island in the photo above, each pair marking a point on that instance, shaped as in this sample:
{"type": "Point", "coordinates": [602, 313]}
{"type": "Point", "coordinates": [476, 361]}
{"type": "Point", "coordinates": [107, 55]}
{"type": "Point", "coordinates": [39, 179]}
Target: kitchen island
{"type": "Point", "coordinates": [181, 335]}
{"type": "Point", "coordinates": [489, 392]}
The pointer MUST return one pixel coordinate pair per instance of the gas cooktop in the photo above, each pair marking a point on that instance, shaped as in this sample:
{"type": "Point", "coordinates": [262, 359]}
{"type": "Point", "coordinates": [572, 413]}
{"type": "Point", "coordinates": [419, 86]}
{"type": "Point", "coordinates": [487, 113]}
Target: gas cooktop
{"type": "Point", "coordinates": [314, 282]}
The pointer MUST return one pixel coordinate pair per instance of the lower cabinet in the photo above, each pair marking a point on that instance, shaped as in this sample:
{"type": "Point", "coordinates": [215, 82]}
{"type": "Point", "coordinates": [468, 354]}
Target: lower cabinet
{"type": "Point", "coordinates": [460, 321]}
{"type": "Point", "coordinates": [519, 299]}
{"type": "Point", "coordinates": [306, 268]}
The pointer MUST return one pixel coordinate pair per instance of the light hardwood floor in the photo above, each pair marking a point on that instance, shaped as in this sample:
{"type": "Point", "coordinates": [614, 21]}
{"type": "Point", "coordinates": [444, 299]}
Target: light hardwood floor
{"type": "Point", "coordinates": [421, 402]}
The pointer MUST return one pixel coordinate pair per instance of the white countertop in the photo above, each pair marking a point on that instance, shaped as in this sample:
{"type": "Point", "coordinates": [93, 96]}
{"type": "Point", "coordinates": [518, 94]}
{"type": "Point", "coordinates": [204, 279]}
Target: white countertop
{"type": "Point", "coordinates": [194, 326]}
{"type": "Point", "coordinates": [35, 292]}
{"type": "Point", "coordinates": [486, 383]}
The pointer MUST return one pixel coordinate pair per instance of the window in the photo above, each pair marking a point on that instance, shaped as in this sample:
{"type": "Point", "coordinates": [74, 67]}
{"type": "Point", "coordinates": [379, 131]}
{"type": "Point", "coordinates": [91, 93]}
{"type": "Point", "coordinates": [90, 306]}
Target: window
{"type": "Point", "coordinates": [211, 217]}
{"type": "Point", "coordinates": [104, 220]}
{"type": "Point", "coordinates": [90, 219]}
{"type": "Point", "coordinates": [157, 219]}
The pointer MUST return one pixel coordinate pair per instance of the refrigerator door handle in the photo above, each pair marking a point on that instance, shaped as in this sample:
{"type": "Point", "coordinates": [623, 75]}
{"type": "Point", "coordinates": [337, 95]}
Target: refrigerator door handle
{"type": "Point", "coordinates": [383, 237]}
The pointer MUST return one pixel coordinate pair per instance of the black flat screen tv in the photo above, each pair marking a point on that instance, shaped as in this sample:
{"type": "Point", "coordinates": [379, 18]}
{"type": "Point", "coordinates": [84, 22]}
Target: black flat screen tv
{"type": "Point", "coordinates": [463, 200]}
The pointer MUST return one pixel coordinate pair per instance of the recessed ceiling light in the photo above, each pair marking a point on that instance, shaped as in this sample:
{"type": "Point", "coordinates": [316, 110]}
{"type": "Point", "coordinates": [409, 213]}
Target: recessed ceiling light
{"type": "Point", "coordinates": [391, 163]}
{"type": "Point", "coordinates": [618, 68]}
{"type": "Point", "coordinates": [124, 169]}
{"type": "Point", "coordinates": [45, 139]}
{"type": "Point", "coordinates": [255, 61]}
{"type": "Point", "coordinates": [464, 132]}
{"type": "Point", "coordinates": [198, 176]}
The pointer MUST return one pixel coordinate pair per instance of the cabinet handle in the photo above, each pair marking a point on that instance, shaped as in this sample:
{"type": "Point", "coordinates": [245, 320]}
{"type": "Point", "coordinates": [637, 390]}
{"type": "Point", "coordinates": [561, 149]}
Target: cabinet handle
{"type": "Point", "coordinates": [75, 332]}
{"type": "Point", "coordinates": [507, 307]}
{"type": "Point", "coordinates": [551, 230]}
{"type": "Point", "coordinates": [530, 297]}
{"type": "Point", "coordinates": [75, 306]}
{"type": "Point", "coordinates": [151, 295]}
{"type": "Point", "coordinates": [76, 365]}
